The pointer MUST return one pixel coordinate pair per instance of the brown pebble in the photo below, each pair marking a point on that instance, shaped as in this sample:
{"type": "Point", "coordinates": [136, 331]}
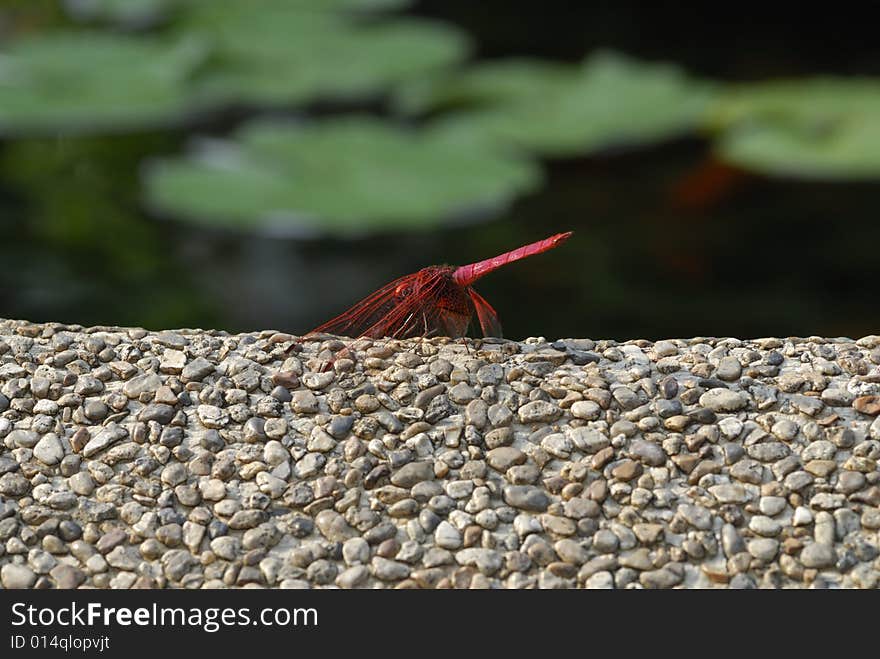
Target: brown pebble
{"type": "Point", "coordinates": [626, 470]}
{"type": "Point", "coordinates": [686, 461]}
{"type": "Point", "coordinates": [388, 548]}
{"type": "Point", "coordinates": [572, 490]}
{"type": "Point", "coordinates": [287, 379]}
{"type": "Point", "coordinates": [472, 535]}
{"type": "Point", "coordinates": [867, 405]}
{"type": "Point", "coordinates": [79, 440]}
{"type": "Point", "coordinates": [602, 458]}
{"type": "Point", "coordinates": [598, 490]}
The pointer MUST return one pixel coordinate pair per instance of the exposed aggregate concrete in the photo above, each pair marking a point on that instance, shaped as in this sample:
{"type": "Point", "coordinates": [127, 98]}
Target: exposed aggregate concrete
{"type": "Point", "coordinates": [199, 459]}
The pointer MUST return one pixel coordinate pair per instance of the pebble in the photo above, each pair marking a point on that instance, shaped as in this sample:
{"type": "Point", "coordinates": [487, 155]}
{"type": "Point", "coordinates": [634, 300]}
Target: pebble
{"type": "Point", "coordinates": [817, 555]}
{"type": "Point", "coordinates": [67, 576]}
{"type": "Point", "coordinates": [571, 551]}
{"type": "Point", "coordinates": [785, 429]}
{"type": "Point", "coordinates": [105, 438]}
{"type": "Point", "coordinates": [353, 577]}
{"type": "Point", "coordinates": [142, 384]}
{"type": "Point", "coordinates": [413, 473]}
{"type": "Point", "coordinates": [304, 402]}
{"type": "Point", "coordinates": [110, 540]}
{"type": "Point", "coordinates": [23, 438]}
{"type": "Point", "coordinates": [697, 516]}
{"type": "Point", "coordinates": [665, 577]}
{"type": "Point", "coordinates": [526, 497]}
{"type": "Point", "coordinates": [647, 452]}
{"type": "Point", "coordinates": [603, 580]}
{"type": "Point", "coordinates": [807, 404]}
{"type": "Point", "coordinates": [356, 551]}
{"type": "Point", "coordinates": [197, 370]}
{"type": "Point", "coordinates": [802, 516]}
{"type": "Point", "coordinates": [723, 400]}
{"type": "Point", "coordinates": [123, 558]}
{"type": "Point", "coordinates": [771, 505]}
{"type": "Point", "coordinates": [729, 369]}
{"type": "Point", "coordinates": [764, 549]}
{"type": "Point", "coordinates": [730, 427]}
{"type": "Point", "coordinates": [730, 493]}
{"type": "Point", "coordinates": [505, 457]}
{"type": "Point", "coordinates": [867, 404]}
{"type": "Point", "coordinates": [637, 559]}
{"type": "Point", "coordinates": [766, 526]}
{"type": "Point", "coordinates": [851, 481]}
{"type": "Point", "coordinates": [585, 409]}
{"type": "Point", "coordinates": [538, 411]}
{"type": "Point", "coordinates": [15, 576]}
{"type": "Point", "coordinates": [768, 451]}
{"type": "Point", "coordinates": [605, 541]}
{"type": "Point", "coordinates": [212, 416]}
{"type": "Point", "coordinates": [388, 570]}
{"type": "Point", "coordinates": [49, 450]}
{"type": "Point", "coordinates": [487, 561]}
{"type": "Point", "coordinates": [589, 441]}
{"type": "Point", "coordinates": [172, 361]}
{"type": "Point", "coordinates": [626, 470]}
{"type": "Point", "coordinates": [648, 533]}
{"type": "Point", "coordinates": [447, 536]}
{"type": "Point", "coordinates": [333, 526]}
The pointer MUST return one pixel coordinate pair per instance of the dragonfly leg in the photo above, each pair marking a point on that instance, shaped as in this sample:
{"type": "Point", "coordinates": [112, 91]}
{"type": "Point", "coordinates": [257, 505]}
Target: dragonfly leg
{"type": "Point", "coordinates": [345, 353]}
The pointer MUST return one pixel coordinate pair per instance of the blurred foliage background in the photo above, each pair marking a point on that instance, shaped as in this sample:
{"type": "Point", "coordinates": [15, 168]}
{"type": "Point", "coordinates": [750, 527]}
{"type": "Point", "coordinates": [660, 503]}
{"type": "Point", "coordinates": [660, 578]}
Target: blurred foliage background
{"type": "Point", "coordinates": [219, 163]}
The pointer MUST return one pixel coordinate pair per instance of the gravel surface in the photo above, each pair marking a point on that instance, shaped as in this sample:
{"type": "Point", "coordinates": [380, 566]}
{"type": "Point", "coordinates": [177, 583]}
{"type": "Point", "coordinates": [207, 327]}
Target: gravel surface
{"type": "Point", "coordinates": [193, 459]}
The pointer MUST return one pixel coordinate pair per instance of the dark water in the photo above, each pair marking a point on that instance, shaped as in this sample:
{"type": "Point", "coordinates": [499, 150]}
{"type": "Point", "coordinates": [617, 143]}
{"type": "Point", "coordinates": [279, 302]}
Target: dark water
{"type": "Point", "coordinates": [667, 242]}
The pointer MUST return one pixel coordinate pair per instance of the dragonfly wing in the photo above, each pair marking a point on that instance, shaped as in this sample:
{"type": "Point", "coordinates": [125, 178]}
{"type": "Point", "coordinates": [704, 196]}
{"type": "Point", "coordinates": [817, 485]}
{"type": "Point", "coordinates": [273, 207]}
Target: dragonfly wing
{"type": "Point", "coordinates": [366, 317]}
{"type": "Point", "coordinates": [451, 323]}
{"type": "Point", "coordinates": [489, 322]}
{"type": "Point", "coordinates": [407, 307]}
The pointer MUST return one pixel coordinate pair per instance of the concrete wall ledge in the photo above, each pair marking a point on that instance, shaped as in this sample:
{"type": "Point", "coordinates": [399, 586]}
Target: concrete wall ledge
{"type": "Point", "coordinates": [202, 459]}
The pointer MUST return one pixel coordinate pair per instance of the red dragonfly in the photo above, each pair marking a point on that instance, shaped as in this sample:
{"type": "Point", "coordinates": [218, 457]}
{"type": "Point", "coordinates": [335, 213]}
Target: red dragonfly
{"type": "Point", "coordinates": [435, 301]}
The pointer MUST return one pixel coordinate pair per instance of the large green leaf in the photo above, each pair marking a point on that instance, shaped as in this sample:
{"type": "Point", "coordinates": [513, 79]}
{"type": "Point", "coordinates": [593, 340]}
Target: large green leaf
{"type": "Point", "coordinates": [87, 81]}
{"type": "Point", "coordinates": [557, 109]}
{"type": "Point", "coordinates": [815, 128]}
{"type": "Point", "coordinates": [264, 52]}
{"type": "Point", "coordinates": [342, 176]}
{"type": "Point", "coordinates": [284, 54]}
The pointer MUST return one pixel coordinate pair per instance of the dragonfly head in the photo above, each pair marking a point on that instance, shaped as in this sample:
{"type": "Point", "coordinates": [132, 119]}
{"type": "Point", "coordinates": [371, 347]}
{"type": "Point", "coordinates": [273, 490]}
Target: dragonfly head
{"type": "Point", "coordinates": [423, 280]}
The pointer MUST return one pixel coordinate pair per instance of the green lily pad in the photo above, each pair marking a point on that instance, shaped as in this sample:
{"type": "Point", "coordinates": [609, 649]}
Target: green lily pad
{"type": "Point", "coordinates": [283, 54]}
{"type": "Point", "coordinates": [263, 52]}
{"type": "Point", "coordinates": [87, 81]}
{"type": "Point", "coordinates": [343, 176]}
{"type": "Point", "coordinates": [820, 128]}
{"type": "Point", "coordinates": [561, 110]}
